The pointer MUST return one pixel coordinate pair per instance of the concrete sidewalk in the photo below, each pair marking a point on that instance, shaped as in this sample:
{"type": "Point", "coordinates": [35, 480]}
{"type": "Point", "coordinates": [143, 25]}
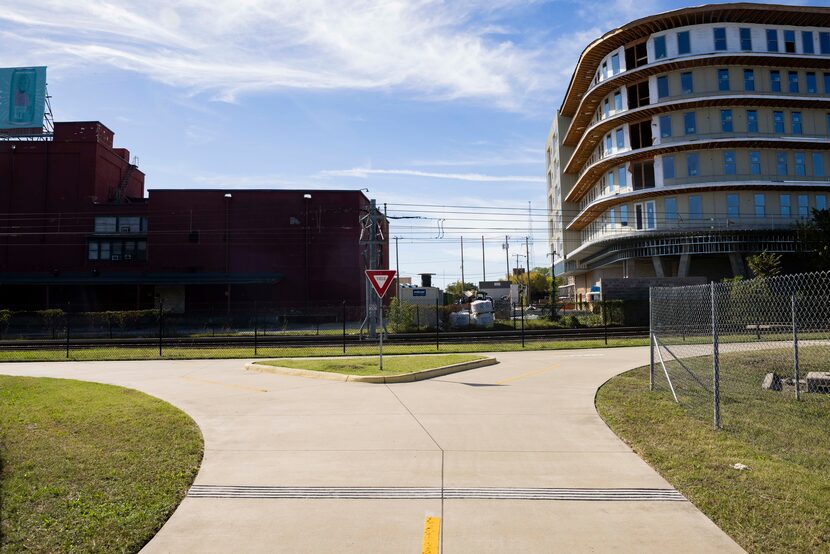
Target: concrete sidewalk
{"type": "Point", "coordinates": [301, 465]}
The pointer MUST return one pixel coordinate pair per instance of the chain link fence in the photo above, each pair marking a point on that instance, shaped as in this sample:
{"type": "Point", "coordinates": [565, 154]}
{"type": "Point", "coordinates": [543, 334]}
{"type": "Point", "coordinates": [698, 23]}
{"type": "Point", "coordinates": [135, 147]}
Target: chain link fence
{"type": "Point", "coordinates": [262, 330]}
{"type": "Point", "coordinates": [724, 349]}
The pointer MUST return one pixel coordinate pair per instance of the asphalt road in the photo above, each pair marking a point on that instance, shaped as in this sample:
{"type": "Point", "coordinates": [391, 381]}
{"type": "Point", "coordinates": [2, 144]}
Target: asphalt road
{"type": "Point", "coordinates": [511, 458]}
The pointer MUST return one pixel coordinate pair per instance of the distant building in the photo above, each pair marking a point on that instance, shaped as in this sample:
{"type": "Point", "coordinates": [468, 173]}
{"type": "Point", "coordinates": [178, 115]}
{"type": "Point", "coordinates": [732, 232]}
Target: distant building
{"type": "Point", "coordinates": [500, 290]}
{"type": "Point", "coordinates": [688, 140]}
{"type": "Point", "coordinates": [78, 231]}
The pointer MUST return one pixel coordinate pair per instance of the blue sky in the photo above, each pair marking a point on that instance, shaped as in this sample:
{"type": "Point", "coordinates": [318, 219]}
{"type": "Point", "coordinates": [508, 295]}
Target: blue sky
{"type": "Point", "coordinates": [430, 105]}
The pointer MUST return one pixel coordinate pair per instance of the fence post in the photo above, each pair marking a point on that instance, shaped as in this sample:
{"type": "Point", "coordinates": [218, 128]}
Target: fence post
{"type": "Point", "coordinates": [437, 323]}
{"type": "Point", "coordinates": [604, 306]}
{"type": "Point", "coordinates": [795, 351]}
{"type": "Point", "coordinates": [68, 305]}
{"type": "Point", "coordinates": [344, 327]}
{"type": "Point", "coordinates": [715, 359]}
{"type": "Point", "coordinates": [651, 338]}
{"type": "Point", "coordinates": [522, 310]}
{"type": "Point", "coordinates": [161, 322]}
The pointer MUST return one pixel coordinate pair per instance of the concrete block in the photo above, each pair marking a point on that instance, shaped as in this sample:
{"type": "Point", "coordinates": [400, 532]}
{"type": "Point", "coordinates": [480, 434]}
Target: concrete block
{"type": "Point", "coordinates": [818, 381]}
{"type": "Point", "coordinates": [771, 382]}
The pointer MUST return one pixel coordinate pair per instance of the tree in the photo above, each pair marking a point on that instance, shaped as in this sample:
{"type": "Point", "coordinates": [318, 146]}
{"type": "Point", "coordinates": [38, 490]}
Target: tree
{"type": "Point", "coordinates": [539, 284]}
{"type": "Point", "coordinates": [765, 264]}
{"type": "Point", "coordinates": [814, 236]}
{"type": "Point", "coordinates": [454, 290]}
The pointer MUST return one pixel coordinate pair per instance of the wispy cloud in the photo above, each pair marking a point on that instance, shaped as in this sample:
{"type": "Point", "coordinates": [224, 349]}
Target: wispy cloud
{"type": "Point", "coordinates": [431, 48]}
{"type": "Point", "coordinates": [365, 172]}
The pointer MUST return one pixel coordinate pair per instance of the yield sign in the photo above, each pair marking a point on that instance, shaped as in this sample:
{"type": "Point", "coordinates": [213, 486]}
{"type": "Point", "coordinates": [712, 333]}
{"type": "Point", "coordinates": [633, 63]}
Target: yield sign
{"type": "Point", "coordinates": [381, 280]}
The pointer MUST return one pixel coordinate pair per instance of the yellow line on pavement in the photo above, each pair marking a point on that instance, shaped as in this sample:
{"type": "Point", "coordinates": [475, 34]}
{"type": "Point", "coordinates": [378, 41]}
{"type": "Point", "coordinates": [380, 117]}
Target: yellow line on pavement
{"type": "Point", "coordinates": [432, 533]}
{"type": "Point", "coordinates": [229, 385]}
{"type": "Point", "coordinates": [529, 374]}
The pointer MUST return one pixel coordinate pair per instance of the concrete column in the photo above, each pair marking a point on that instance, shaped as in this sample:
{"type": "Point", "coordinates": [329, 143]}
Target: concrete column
{"type": "Point", "coordinates": [658, 266]}
{"type": "Point", "coordinates": [737, 263]}
{"type": "Point", "coordinates": [683, 268]}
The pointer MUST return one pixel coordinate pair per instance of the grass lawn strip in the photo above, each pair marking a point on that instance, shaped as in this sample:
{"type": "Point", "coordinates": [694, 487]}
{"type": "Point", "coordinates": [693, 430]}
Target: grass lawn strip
{"type": "Point", "coordinates": [86, 467]}
{"type": "Point", "coordinates": [782, 504]}
{"type": "Point", "coordinates": [184, 353]}
{"type": "Point", "coordinates": [393, 365]}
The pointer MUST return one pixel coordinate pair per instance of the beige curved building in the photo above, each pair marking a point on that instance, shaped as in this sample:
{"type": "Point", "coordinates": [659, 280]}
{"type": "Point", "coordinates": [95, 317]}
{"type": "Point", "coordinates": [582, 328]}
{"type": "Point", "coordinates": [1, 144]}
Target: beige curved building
{"type": "Point", "coordinates": [689, 140]}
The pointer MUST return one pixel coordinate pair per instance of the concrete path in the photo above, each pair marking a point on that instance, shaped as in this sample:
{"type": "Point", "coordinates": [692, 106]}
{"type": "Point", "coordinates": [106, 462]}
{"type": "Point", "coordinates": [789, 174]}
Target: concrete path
{"type": "Point", "coordinates": [511, 457]}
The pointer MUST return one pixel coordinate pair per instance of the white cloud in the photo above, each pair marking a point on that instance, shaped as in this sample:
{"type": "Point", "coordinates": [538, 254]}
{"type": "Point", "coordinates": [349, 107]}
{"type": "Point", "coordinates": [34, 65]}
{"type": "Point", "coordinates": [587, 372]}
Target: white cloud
{"type": "Point", "coordinates": [433, 49]}
{"type": "Point", "coordinates": [365, 172]}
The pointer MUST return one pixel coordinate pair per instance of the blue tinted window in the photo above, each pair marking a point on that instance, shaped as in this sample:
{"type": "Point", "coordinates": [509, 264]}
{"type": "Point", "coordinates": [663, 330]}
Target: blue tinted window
{"type": "Point", "coordinates": [668, 167]}
{"type": "Point", "coordinates": [803, 205]}
{"type": "Point", "coordinates": [807, 42]}
{"type": "Point", "coordinates": [795, 118]}
{"type": "Point", "coordinates": [800, 166]}
{"type": "Point", "coordinates": [606, 108]}
{"type": "Point", "coordinates": [789, 42]}
{"type": "Point", "coordinates": [620, 138]}
{"type": "Point", "coordinates": [824, 43]}
{"type": "Point", "coordinates": [729, 163]}
{"type": "Point", "coordinates": [821, 202]}
{"type": "Point", "coordinates": [659, 47]}
{"type": "Point", "coordinates": [692, 165]}
{"type": "Point", "coordinates": [689, 123]}
{"type": "Point", "coordinates": [775, 80]}
{"type": "Point", "coordinates": [733, 206]}
{"type": "Point", "coordinates": [695, 207]}
{"type": "Point", "coordinates": [812, 85]}
{"type": "Point", "coordinates": [746, 39]}
{"type": "Point", "coordinates": [609, 181]}
{"type": "Point", "coordinates": [617, 101]}
{"type": "Point", "coordinates": [720, 38]}
{"type": "Point", "coordinates": [760, 205]}
{"type": "Point", "coordinates": [772, 40]}
{"type": "Point", "coordinates": [784, 205]}
{"type": "Point", "coordinates": [622, 178]}
{"type": "Point", "coordinates": [818, 164]}
{"type": "Point", "coordinates": [623, 215]}
{"type": "Point", "coordinates": [752, 121]}
{"type": "Point", "coordinates": [670, 209]}
{"type": "Point", "coordinates": [665, 126]}
{"type": "Point", "coordinates": [781, 164]}
{"type": "Point", "coordinates": [723, 79]}
{"type": "Point", "coordinates": [662, 86]}
{"type": "Point", "coordinates": [687, 85]}
{"type": "Point", "coordinates": [615, 64]}
{"type": "Point", "coordinates": [684, 45]}
{"type": "Point", "coordinates": [749, 79]}
{"type": "Point", "coordinates": [755, 163]}
{"type": "Point", "coordinates": [726, 121]}
{"type": "Point", "coordinates": [827, 83]}
{"type": "Point", "coordinates": [608, 143]}
{"type": "Point", "coordinates": [778, 122]}
{"type": "Point", "coordinates": [792, 80]}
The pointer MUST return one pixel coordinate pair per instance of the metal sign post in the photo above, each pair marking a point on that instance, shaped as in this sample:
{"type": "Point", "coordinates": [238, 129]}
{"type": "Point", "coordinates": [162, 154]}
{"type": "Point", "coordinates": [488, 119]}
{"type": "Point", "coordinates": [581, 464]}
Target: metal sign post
{"type": "Point", "coordinates": [381, 280]}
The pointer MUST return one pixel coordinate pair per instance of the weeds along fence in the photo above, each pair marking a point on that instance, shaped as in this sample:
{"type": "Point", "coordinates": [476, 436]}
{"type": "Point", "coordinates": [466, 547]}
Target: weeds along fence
{"type": "Point", "coordinates": [718, 348]}
{"type": "Point", "coordinates": [271, 331]}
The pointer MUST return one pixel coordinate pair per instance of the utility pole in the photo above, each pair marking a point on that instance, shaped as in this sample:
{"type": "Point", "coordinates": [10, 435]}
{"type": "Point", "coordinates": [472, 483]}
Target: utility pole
{"type": "Point", "coordinates": [397, 271]}
{"type": "Point", "coordinates": [506, 247]}
{"type": "Point", "coordinates": [483, 268]}
{"type": "Point", "coordinates": [527, 255]}
{"type": "Point", "coordinates": [462, 267]}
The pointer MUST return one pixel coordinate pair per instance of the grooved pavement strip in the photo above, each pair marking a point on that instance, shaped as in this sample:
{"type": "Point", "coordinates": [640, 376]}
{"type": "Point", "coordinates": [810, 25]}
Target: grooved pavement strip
{"type": "Point", "coordinates": [511, 458]}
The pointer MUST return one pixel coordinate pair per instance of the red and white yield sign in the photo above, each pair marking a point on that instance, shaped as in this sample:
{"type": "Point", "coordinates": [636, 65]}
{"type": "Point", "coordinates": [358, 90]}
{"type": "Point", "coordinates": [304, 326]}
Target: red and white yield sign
{"type": "Point", "coordinates": [381, 280]}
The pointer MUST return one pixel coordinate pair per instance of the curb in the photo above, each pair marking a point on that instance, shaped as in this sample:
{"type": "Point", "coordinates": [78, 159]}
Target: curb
{"type": "Point", "coordinates": [382, 379]}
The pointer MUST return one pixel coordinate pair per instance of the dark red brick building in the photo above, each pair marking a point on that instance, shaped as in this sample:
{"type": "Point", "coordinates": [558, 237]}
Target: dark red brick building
{"type": "Point", "coordinates": [76, 229]}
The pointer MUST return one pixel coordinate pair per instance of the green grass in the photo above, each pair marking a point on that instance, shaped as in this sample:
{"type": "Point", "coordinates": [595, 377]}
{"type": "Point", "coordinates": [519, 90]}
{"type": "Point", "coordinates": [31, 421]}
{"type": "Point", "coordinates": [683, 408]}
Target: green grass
{"type": "Point", "coordinates": [120, 353]}
{"type": "Point", "coordinates": [783, 503]}
{"type": "Point", "coordinates": [394, 365]}
{"type": "Point", "coordinates": [86, 467]}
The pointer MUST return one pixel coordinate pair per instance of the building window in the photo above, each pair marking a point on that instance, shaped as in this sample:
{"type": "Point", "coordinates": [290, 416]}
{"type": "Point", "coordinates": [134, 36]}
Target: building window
{"type": "Point", "coordinates": [800, 165]}
{"type": "Point", "coordinates": [615, 64]}
{"type": "Point", "coordinates": [665, 126]}
{"type": "Point", "coordinates": [684, 45]}
{"type": "Point", "coordinates": [749, 79]}
{"type": "Point", "coordinates": [795, 119]}
{"type": "Point", "coordinates": [818, 164]}
{"type": "Point", "coordinates": [618, 101]}
{"type": "Point", "coordinates": [723, 79]}
{"type": "Point", "coordinates": [620, 138]}
{"type": "Point", "coordinates": [733, 206]}
{"type": "Point", "coordinates": [752, 121]}
{"type": "Point", "coordinates": [695, 207]}
{"type": "Point", "coordinates": [624, 216]}
{"type": "Point", "coordinates": [662, 86]}
{"type": "Point", "coordinates": [604, 70]}
{"type": "Point", "coordinates": [106, 224]}
{"type": "Point", "coordinates": [772, 40]}
{"type": "Point", "coordinates": [807, 42]}
{"type": "Point", "coordinates": [612, 217]}
{"type": "Point", "coordinates": [775, 80]}
{"type": "Point", "coordinates": [606, 108]}
{"type": "Point", "coordinates": [781, 164]}
{"type": "Point", "coordinates": [120, 224]}
{"type": "Point", "coordinates": [608, 144]}
{"type": "Point", "coordinates": [92, 253]}
{"type": "Point", "coordinates": [692, 165]}
{"type": "Point", "coordinates": [789, 42]}
{"type": "Point", "coordinates": [812, 85]}
{"type": "Point", "coordinates": [670, 210]}
{"type": "Point", "coordinates": [827, 83]}
{"type": "Point", "coordinates": [784, 205]}
{"type": "Point", "coordinates": [609, 181]}
{"type": "Point", "coordinates": [778, 122]}
{"type": "Point", "coordinates": [792, 80]}
{"type": "Point", "coordinates": [720, 38]}
{"type": "Point", "coordinates": [746, 39]}
{"type": "Point", "coordinates": [690, 124]}
{"type": "Point", "coordinates": [824, 42]}
{"type": "Point", "coordinates": [729, 163]}
{"type": "Point", "coordinates": [117, 250]}
{"type": "Point", "coordinates": [821, 202]}
{"type": "Point", "coordinates": [755, 163]}
{"type": "Point", "coordinates": [760, 205]}
{"type": "Point", "coordinates": [659, 47]}
{"type": "Point", "coordinates": [726, 121]}
{"type": "Point", "coordinates": [687, 85]}
{"type": "Point", "coordinates": [621, 181]}
{"type": "Point", "coordinates": [803, 205]}
{"type": "Point", "coordinates": [668, 167]}
{"type": "Point", "coordinates": [650, 215]}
